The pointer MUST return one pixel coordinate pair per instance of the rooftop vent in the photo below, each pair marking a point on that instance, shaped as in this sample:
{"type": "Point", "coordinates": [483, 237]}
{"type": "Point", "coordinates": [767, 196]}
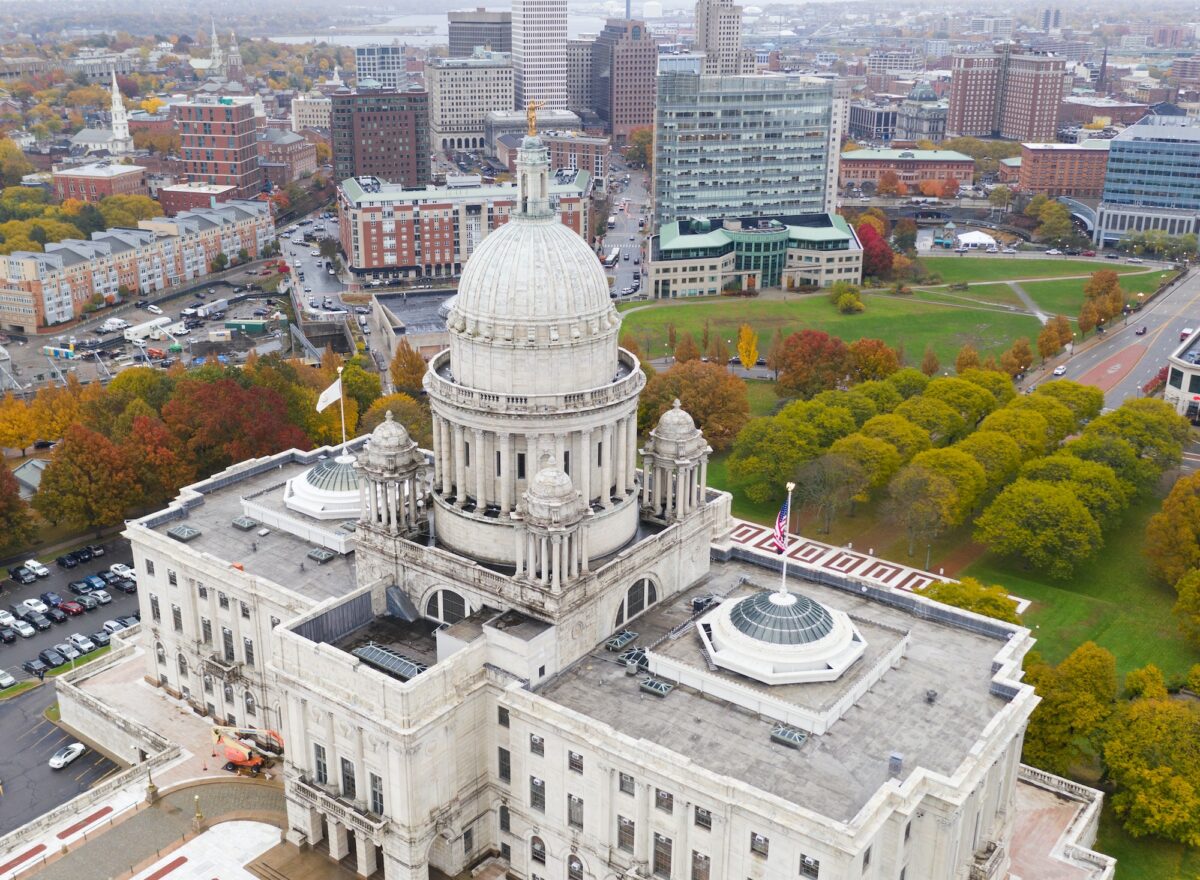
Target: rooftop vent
{"type": "Point", "coordinates": [931, 696]}
{"type": "Point", "coordinates": [320, 554]}
{"type": "Point", "coordinates": [244, 523]}
{"type": "Point", "coordinates": [389, 661]}
{"type": "Point", "coordinates": [791, 737]}
{"type": "Point", "coordinates": [349, 526]}
{"type": "Point", "coordinates": [895, 764]}
{"type": "Point", "coordinates": [656, 686]}
{"type": "Point", "coordinates": [183, 533]}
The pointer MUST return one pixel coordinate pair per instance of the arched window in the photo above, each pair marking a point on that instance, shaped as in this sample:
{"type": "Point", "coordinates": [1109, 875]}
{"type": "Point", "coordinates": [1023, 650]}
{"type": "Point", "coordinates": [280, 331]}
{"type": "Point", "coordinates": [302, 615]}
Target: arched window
{"type": "Point", "coordinates": [638, 598]}
{"type": "Point", "coordinates": [182, 665]}
{"type": "Point", "coordinates": [228, 691]}
{"type": "Point", "coordinates": [537, 850]}
{"type": "Point", "coordinates": [251, 707]}
{"type": "Point", "coordinates": [447, 606]}
{"type": "Point", "coordinates": [161, 653]}
{"type": "Point", "coordinates": [574, 868]}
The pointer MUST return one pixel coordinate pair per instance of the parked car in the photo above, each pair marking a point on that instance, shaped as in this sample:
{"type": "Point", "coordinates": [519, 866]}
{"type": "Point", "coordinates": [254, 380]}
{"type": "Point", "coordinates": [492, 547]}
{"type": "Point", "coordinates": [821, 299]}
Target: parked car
{"type": "Point", "coordinates": [40, 622]}
{"type": "Point", "coordinates": [1112, 256]}
{"type": "Point", "coordinates": [97, 550]}
{"type": "Point", "coordinates": [83, 554]}
{"type": "Point", "coordinates": [6, 618]}
{"type": "Point", "coordinates": [22, 575]}
{"type": "Point", "coordinates": [23, 629]}
{"type": "Point", "coordinates": [99, 638]}
{"type": "Point", "coordinates": [56, 614]}
{"type": "Point", "coordinates": [52, 599]}
{"type": "Point", "coordinates": [66, 755]}
{"type": "Point", "coordinates": [69, 651]}
{"type": "Point", "coordinates": [108, 577]}
{"type": "Point", "coordinates": [71, 609]}
{"type": "Point", "coordinates": [101, 596]}
{"type": "Point", "coordinates": [82, 643]}
{"type": "Point", "coordinates": [1088, 253]}
{"type": "Point", "coordinates": [1135, 260]}
{"type": "Point", "coordinates": [1054, 252]}
{"type": "Point", "coordinates": [87, 602]}
{"type": "Point", "coordinates": [35, 605]}
{"type": "Point", "coordinates": [125, 586]}
{"type": "Point", "coordinates": [51, 658]}
{"type": "Point", "coordinates": [96, 582]}
{"type": "Point", "coordinates": [1060, 370]}
{"type": "Point", "coordinates": [112, 627]}
{"type": "Point", "coordinates": [37, 568]}
{"type": "Point", "coordinates": [66, 561]}
{"type": "Point", "coordinates": [1009, 250]}
{"type": "Point", "coordinates": [153, 309]}
{"type": "Point", "coordinates": [80, 588]}
{"type": "Point", "coordinates": [7, 635]}
{"type": "Point", "coordinates": [1140, 331]}
{"type": "Point", "coordinates": [6, 680]}
{"type": "Point", "coordinates": [35, 667]}
{"type": "Point", "coordinates": [129, 620]}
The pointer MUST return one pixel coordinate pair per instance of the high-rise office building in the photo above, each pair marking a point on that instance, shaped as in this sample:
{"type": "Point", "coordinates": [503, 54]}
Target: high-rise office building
{"type": "Point", "coordinates": [380, 66]}
{"type": "Point", "coordinates": [478, 27]}
{"type": "Point", "coordinates": [719, 38]}
{"type": "Point", "coordinates": [539, 50]}
{"type": "Point", "coordinates": [624, 65]}
{"type": "Point", "coordinates": [727, 146]}
{"type": "Point", "coordinates": [1005, 94]}
{"type": "Point", "coordinates": [382, 133]}
{"type": "Point", "coordinates": [580, 52]}
{"type": "Point", "coordinates": [1150, 182]}
{"type": "Point", "coordinates": [461, 92]}
{"type": "Point", "coordinates": [218, 142]}
{"type": "Point", "coordinates": [1051, 19]}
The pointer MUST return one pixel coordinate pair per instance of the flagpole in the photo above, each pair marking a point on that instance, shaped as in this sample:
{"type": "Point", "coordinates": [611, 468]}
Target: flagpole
{"type": "Point", "coordinates": [783, 590]}
{"type": "Point", "coordinates": [342, 407]}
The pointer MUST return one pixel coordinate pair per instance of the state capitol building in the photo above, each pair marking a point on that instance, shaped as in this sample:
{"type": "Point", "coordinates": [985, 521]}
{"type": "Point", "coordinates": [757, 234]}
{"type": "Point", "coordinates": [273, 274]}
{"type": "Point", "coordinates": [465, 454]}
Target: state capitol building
{"type": "Point", "coordinates": [538, 644]}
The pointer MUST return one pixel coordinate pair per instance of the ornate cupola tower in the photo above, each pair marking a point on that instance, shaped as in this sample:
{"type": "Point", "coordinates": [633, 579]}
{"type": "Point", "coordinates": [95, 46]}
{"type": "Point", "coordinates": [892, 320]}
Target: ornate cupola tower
{"type": "Point", "coordinates": [533, 379]}
{"type": "Point", "coordinates": [674, 467]}
{"type": "Point", "coordinates": [122, 141]}
{"type": "Point", "coordinates": [392, 481]}
{"type": "Point", "coordinates": [551, 547]}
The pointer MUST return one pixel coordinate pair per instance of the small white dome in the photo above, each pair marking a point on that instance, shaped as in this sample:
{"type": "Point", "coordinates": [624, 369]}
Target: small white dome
{"type": "Point", "coordinates": [552, 500]}
{"type": "Point", "coordinates": [676, 423]}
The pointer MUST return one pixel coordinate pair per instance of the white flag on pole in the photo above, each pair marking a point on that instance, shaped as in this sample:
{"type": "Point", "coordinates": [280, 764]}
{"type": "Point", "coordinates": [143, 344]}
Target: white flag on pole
{"type": "Point", "coordinates": [330, 394]}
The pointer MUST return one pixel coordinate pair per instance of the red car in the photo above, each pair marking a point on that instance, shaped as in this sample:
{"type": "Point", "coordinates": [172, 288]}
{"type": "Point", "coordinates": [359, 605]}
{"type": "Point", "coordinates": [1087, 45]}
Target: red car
{"type": "Point", "coordinates": [74, 609]}
{"type": "Point", "coordinates": [1089, 253]}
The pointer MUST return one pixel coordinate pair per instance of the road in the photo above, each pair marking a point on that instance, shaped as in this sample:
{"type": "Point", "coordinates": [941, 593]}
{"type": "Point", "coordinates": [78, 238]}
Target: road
{"type": "Point", "coordinates": [626, 234]}
{"type": "Point", "coordinates": [317, 283]}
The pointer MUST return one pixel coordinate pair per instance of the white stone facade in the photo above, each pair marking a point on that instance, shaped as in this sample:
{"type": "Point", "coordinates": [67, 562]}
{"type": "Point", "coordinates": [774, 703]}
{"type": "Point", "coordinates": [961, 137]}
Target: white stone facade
{"type": "Point", "coordinates": [461, 92]}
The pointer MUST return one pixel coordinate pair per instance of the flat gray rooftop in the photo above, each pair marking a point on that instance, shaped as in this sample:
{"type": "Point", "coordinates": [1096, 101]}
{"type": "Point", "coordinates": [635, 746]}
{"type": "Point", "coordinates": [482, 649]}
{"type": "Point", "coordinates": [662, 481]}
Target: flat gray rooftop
{"type": "Point", "coordinates": [834, 773]}
{"type": "Point", "coordinates": [278, 557]}
{"type": "Point", "coordinates": [415, 640]}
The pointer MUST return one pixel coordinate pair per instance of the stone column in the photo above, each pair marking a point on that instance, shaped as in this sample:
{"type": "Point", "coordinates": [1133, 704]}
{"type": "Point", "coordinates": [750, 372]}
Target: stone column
{"type": "Point", "coordinates": [362, 497]}
{"type": "Point", "coordinates": [506, 469]}
{"type": "Point", "coordinates": [444, 465]}
{"type": "Point", "coordinates": [645, 482]}
{"type": "Point", "coordinates": [531, 457]}
{"type": "Point", "coordinates": [413, 487]}
{"type": "Point", "coordinates": [606, 469]}
{"type": "Point", "coordinates": [460, 467]}
{"type": "Point", "coordinates": [544, 558]}
{"type": "Point", "coordinates": [439, 448]}
{"type": "Point", "coordinates": [631, 451]}
{"type": "Point", "coordinates": [680, 495]}
{"type": "Point", "coordinates": [555, 562]}
{"type": "Point", "coordinates": [518, 551]}
{"type": "Point", "coordinates": [703, 477]}
{"type": "Point", "coordinates": [364, 849]}
{"type": "Point", "coordinates": [622, 457]}
{"type": "Point", "coordinates": [583, 548]}
{"type": "Point", "coordinates": [585, 466]}
{"type": "Point", "coordinates": [339, 843]}
{"type": "Point", "coordinates": [560, 448]}
{"type": "Point", "coordinates": [479, 462]}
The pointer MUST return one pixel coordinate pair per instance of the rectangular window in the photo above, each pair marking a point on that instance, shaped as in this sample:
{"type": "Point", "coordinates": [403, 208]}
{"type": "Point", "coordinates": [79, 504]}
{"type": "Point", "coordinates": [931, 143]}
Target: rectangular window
{"type": "Point", "coordinates": [1176, 378]}
{"type": "Point", "coordinates": [1194, 385]}
{"type": "Point", "coordinates": [468, 841]}
{"type": "Point", "coordinates": [625, 833]}
{"type": "Point", "coordinates": [505, 766]}
{"type": "Point", "coordinates": [759, 845]}
{"type": "Point", "coordinates": [626, 783]}
{"type": "Point", "coordinates": [575, 762]}
{"type": "Point", "coordinates": [699, 866]}
{"type": "Point", "coordinates": [206, 630]}
{"type": "Point", "coordinates": [537, 794]}
{"type": "Point", "coordinates": [320, 768]}
{"type": "Point", "coordinates": [600, 454]}
{"type": "Point", "coordinates": [662, 856]}
{"type": "Point", "coordinates": [245, 610]}
{"type": "Point", "coordinates": [574, 811]}
{"type": "Point", "coordinates": [520, 465]}
{"type": "Point", "coordinates": [149, 566]}
{"type": "Point", "coordinates": [703, 818]}
{"type": "Point", "coordinates": [467, 453]}
{"type": "Point", "coordinates": [376, 794]}
{"type": "Point", "coordinates": [908, 831]}
{"type": "Point", "coordinates": [502, 716]}
{"type": "Point", "coordinates": [177, 618]}
{"type": "Point", "coordinates": [505, 819]}
{"type": "Point", "coordinates": [506, 852]}
{"type": "Point", "coordinates": [866, 858]}
{"type": "Point", "coordinates": [202, 590]}
{"type": "Point", "coordinates": [349, 785]}
{"type": "Point", "coordinates": [154, 614]}
{"type": "Point", "coordinates": [567, 461]}
{"type": "Point", "coordinates": [664, 800]}
{"type": "Point", "coordinates": [171, 579]}
{"type": "Point", "coordinates": [537, 745]}
{"type": "Point", "coordinates": [809, 867]}
{"type": "Point", "coordinates": [222, 600]}
{"type": "Point", "coordinates": [248, 649]}
{"type": "Point", "coordinates": [227, 643]}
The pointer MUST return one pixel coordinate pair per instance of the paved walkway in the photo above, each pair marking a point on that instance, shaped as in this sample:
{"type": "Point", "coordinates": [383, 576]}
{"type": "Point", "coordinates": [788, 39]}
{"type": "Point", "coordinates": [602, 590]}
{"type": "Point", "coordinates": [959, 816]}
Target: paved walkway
{"type": "Point", "coordinates": [1028, 301]}
{"type": "Point", "coordinates": [221, 852]}
{"type": "Point", "coordinates": [151, 831]}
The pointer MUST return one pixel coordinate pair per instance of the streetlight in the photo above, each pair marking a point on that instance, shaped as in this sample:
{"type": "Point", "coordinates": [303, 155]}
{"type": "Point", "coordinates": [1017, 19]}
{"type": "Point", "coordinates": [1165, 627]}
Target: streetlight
{"type": "Point", "coordinates": [729, 346]}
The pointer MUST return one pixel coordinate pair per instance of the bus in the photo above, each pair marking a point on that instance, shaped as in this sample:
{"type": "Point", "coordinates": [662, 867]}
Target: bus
{"type": "Point", "coordinates": [614, 257]}
{"type": "Point", "coordinates": [612, 221]}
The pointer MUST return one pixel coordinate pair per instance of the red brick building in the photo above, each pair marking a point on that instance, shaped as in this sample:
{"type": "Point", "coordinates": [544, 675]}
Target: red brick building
{"type": "Point", "coordinates": [624, 77]}
{"type": "Point", "coordinates": [1075, 170]}
{"type": "Point", "coordinates": [913, 167]}
{"type": "Point", "coordinates": [381, 133]}
{"type": "Point", "coordinates": [192, 196]}
{"type": "Point", "coordinates": [1084, 111]}
{"type": "Point", "coordinates": [1005, 94]}
{"type": "Point", "coordinates": [568, 149]}
{"type": "Point", "coordinates": [219, 143]}
{"type": "Point", "coordinates": [286, 155]}
{"type": "Point", "coordinates": [91, 183]}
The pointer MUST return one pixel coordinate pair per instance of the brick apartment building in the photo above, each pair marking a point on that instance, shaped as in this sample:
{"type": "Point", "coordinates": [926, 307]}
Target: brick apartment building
{"type": "Point", "coordinates": [1079, 110]}
{"type": "Point", "coordinates": [388, 231]}
{"type": "Point", "coordinates": [219, 143]}
{"type": "Point", "coordinates": [913, 167]}
{"type": "Point", "coordinates": [624, 71]}
{"type": "Point", "coordinates": [193, 196]}
{"type": "Point", "coordinates": [93, 182]}
{"type": "Point", "coordinates": [568, 149]}
{"type": "Point", "coordinates": [1075, 170]}
{"type": "Point", "coordinates": [1005, 94]}
{"type": "Point", "coordinates": [381, 133]}
{"type": "Point", "coordinates": [286, 156]}
{"type": "Point", "coordinates": [43, 289]}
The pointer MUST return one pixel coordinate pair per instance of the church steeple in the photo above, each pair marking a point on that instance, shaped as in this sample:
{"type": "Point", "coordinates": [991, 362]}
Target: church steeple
{"type": "Point", "coordinates": [120, 119]}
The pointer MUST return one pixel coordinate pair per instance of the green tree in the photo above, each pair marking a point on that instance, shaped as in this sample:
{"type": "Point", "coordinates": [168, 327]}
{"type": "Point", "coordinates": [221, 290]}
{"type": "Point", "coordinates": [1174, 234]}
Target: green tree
{"type": "Point", "coordinates": [89, 482]}
{"type": "Point", "coordinates": [906, 437]}
{"type": "Point", "coordinates": [1029, 429]}
{"type": "Point", "coordinates": [904, 234]}
{"type": "Point", "coordinates": [939, 419]}
{"type": "Point", "coordinates": [908, 381]}
{"type": "Point", "coordinates": [828, 421]}
{"type": "Point", "coordinates": [970, 401]}
{"type": "Point", "coordinates": [963, 472]}
{"type": "Point", "coordinates": [1043, 524]}
{"type": "Point", "coordinates": [972, 595]}
{"type": "Point", "coordinates": [1095, 484]}
{"type": "Point", "coordinates": [828, 484]}
{"type": "Point", "coordinates": [1001, 197]}
{"type": "Point", "coordinates": [877, 459]}
{"type": "Point", "coordinates": [219, 262]}
{"type": "Point", "coordinates": [1060, 421]}
{"type": "Point", "coordinates": [1187, 609]}
{"type": "Point", "coordinates": [363, 387]}
{"type": "Point", "coordinates": [860, 406]}
{"type": "Point", "coordinates": [13, 164]}
{"type": "Point", "coordinates": [1077, 700]}
{"type": "Point", "coordinates": [767, 454]}
{"type": "Point", "coordinates": [1084, 401]}
{"type": "Point", "coordinates": [920, 501]}
{"type": "Point", "coordinates": [641, 147]}
{"type": "Point", "coordinates": [883, 395]}
{"type": "Point", "coordinates": [998, 455]}
{"type": "Point", "coordinates": [994, 382]}
{"type": "Point", "coordinates": [1152, 427]}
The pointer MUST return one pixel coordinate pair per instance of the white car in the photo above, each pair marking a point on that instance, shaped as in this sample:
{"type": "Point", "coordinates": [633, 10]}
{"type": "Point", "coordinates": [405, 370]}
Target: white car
{"type": "Point", "coordinates": [37, 568]}
{"type": "Point", "coordinates": [81, 643]}
{"type": "Point", "coordinates": [1135, 260]}
{"type": "Point", "coordinates": [314, 253]}
{"type": "Point", "coordinates": [101, 596]}
{"type": "Point", "coordinates": [123, 571]}
{"type": "Point", "coordinates": [66, 755]}
{"type": "Point", "coordinates": [67, 650]}
{"type": "Point", "coordinates": [23, 629]}
{"type": "Point", "coordinates": [112, 627]}
{"type": "Point", "coordinates": [1054, 252]}
{"type": "Point", "coordinates": [35, 605]}
{"type": "Point", "coordinates": [6, 618]}
{"type": "Point", "coordinates": [1009, 250]}
{"type": "Point", "coordinates": [1060, 370]}
{"type": "Point", "coordinates": [6, 680]}
{"type": "Point", "coordinates": [153, 309]}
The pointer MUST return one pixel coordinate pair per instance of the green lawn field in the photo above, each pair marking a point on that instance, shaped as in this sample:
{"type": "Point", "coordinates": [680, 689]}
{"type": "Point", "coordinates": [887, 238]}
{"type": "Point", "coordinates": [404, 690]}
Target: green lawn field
{"type": "Point", "coordinates": [1065, 296]}
{"type": "Point", "coordinates": [993, 294]}
{"type": "Point", "coordinates": [1145, 858]}
{"type": "Point", "coordinates": [898, 321]}
{"type": "Point", "coordinates": [954, 269]}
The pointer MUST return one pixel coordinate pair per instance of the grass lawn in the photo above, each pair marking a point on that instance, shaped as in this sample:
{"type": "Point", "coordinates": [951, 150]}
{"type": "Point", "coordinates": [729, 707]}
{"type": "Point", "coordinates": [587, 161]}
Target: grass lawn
{"type": "Point", "coordinates": [994, 294]}
{"type": "Point", "coordinates": [898, 321]}
{"type": "Point", "coordinates": [762, 397]}
{"type": "Point", "coordinates": [1007, 268]}
{"type": "Point", "coordinates": [1111, 600]}
{"type": "Point", "coordinates": [86, 658]}
{"type": "Point", "coordinates": [1144, 858]}
{"type": "Point", "coordinates": [17, 689]}
{"type": "Point", "coordinates": [1065, 297]}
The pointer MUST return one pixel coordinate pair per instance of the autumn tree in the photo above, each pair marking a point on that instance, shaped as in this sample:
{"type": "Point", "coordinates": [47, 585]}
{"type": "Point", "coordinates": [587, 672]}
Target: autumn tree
{"type": "Point", "coordinates": [998, 455]}
{"type": "Point", "coordinates": [966, 359]}
{"type": "Point", "coordinates": [810, 362]}
{"type": "Point", "coordinates": [13, 164]}
{"type": "Point", "coordinates": [1088, 317]}
{"type": "Point", "coordinates": [1172, 543]}
{"type": "Point", "coordinates": [890, 184]}
{"type": "Point", "coordinates": [16, 523]}
{"type": "Point", "coordinates": [877, 459]}
{"type": "Point", "coordinates": [972, 595]}
{"type": "Point", "coordinates": [967, 399]}
{"type": "Point", "coordinates": [876, 253]}
{"type": "Point", "coordinates": [949, 187]}
{"type": "Point", "coordinates": [965, 474]}
{"type": "Point", "coordinates": [89, 482]}
{"type": "Point", "coordinates": [406, 411]}
{"type": "Point", "coordinates": [1187, 606]}
{"type": "Point", "coordinates": [1146, 682]}
{"type": "Point", "coordinates": [1048, 342]}
{"type": "Point", "coordinates": [828, 485]}
{"type": "Point", "coordinates": [713, 396]}
{"type": "Point", "coordinates": [361, 386]}
{"type": "Point", "coordinates": [1062, 327]}
{"type": "Point", "coordinates": [904, 234]}
{"type": "Point", "coordinates": [747, 346]}
{"type": "Point", "coordinates": [1029, 430]}
{"type": "Point", "coordinates": [1095, 484]}
{"type": "Point", "coordinates": [994, 382]}
{"type": "Point", "coordinates": [1152, 427]}
{"type": "Point", "coordinates": [940, 420]}
{"type": "Point", "coordinates": [828, 422]}
{"type": "Point", "coordinates": [920, 501]}
{"type": "Point", "coordinates": [907, 438]}
{"type": "Point", "coordinates": [1077, 698]}
{"type": "Point", "coordinates": [775, 355]}
{"type": "Point", "coordinates": [407, 369]}
{"type": "Point", "coordinates": [158, 468]}
{"type": "Point", "coordinates": [1041, 523]}
{"type": "Point", "coordinates": [929, 362]}
{"type": "Point", "coordinates": [641, 147]}
{"type": "Point", "coordinates": [860, 406]}
{"type": "Point", "coordinates": [1054, 222]}
{"type": "Point", "coordinates": [871, 359]}
{"type": "Point", "coordinates": [1084, 401]}
{"type": "Point", "coordinates": [686, 350]}
{"type": "Point", "coordinates": [767, 454]}
{"type": "Point", "coordinates": [882, 394]}
{"type": "Point", "coordinates": [1019, 357]}
{"type": "Point", "coordinates": [17, 426]}
{"type": "Point", "coordinates": [1060, 421]}
{"type": "Point", "coordinates": [908, 381]}
{"type": "Point", "coordinates": [717, 350]}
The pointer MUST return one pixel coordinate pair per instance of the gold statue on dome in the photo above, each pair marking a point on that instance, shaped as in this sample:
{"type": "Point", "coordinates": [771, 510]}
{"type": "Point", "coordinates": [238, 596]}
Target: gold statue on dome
{"type": "Point", "coordinates": [531, 115]}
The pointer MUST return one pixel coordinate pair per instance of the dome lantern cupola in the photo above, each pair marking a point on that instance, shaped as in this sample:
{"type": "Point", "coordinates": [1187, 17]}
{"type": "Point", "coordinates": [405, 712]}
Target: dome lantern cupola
{"type": "Point", "coordinates": [392, 473]}
{"type": "Point", "coordinates": [674, 466]}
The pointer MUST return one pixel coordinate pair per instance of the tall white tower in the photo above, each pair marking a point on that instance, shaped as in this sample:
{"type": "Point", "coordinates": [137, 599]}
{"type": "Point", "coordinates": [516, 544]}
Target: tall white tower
{"type": "Point", "coordinates": [121, 142]}
{"type": "Point", "coordinates": [719, 37]}
{"type": "Point", "coordinates": [539, 52]}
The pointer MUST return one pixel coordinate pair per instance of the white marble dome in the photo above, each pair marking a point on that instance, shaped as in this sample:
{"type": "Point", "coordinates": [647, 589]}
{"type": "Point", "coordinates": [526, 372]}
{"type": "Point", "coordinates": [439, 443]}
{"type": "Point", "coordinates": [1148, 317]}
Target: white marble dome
{"type": "Point", "coordinates": [552, 499]}
{"type": "Point", "coordinates": [390, 449]}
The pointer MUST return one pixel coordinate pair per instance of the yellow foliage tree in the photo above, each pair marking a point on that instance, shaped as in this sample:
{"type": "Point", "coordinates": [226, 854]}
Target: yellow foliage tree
{"type": "Point", "coordinates": [747, 346]}
{"type": "Point", "coordinates": [16, 424]}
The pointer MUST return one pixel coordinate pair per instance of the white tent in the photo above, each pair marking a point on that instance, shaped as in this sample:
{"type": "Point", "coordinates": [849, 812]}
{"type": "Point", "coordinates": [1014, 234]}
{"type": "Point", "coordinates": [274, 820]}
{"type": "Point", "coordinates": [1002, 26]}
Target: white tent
{"type": "Point", "coordinates": [975, 240]}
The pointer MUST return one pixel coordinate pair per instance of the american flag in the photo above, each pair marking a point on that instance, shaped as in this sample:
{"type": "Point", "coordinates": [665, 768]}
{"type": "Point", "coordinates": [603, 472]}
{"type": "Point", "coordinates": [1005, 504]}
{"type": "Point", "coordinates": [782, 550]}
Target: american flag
{"type": "Point", "coordinates": [781, 529]}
